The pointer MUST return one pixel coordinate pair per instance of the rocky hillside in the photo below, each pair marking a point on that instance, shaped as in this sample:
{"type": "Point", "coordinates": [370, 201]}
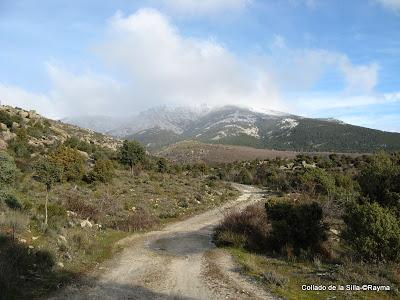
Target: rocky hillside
{"type": "Point", "coordinates": [42, 133]}
{"type": "Point", "coordinates": [232, 125]}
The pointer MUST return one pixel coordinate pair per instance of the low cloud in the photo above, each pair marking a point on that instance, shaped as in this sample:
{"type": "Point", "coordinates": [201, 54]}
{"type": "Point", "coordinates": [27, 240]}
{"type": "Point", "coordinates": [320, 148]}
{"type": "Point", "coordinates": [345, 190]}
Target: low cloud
{"type": "Point", "coordinates": [393, 5]}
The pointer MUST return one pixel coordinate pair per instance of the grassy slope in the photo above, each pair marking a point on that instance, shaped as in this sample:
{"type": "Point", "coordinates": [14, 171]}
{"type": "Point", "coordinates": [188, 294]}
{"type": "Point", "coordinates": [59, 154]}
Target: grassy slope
{"type": "Point", "coordinates": [291, 275]}
{"type": "Point", "coordinates": [157, 198]}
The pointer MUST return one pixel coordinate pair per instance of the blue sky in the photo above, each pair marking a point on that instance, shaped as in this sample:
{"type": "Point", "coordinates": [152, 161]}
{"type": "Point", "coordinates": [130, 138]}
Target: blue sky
{"type": "Point", "coordinates": [319, 58]}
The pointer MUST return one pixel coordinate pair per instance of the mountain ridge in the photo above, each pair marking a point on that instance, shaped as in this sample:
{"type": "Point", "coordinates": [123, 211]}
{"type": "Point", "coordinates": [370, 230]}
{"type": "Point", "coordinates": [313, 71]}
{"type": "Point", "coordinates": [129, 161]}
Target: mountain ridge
{"type": "Point", "coordinates": [233, 125]}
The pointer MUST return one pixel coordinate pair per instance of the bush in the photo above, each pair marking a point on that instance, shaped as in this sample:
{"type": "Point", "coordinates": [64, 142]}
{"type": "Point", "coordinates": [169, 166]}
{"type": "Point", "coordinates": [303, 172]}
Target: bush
{"type": "Point", "coordinates": [10, 200]}
{"type": "Point", "coordinates": [296, 226]}
{"type": "Point", "coordinates": [70, 161]}
{"type": "Point", "coordinates": [373, 232]}
{"type": "Point", "coordinates": [85, 209]}
{"type": "Point", "coordinates": [380, 181]}
{"type": "Point", "coordinates": [103, 171]}
{"type": "Point", "coordinates": [162, 165]}
{"type": "Point", "coordinates": [244, 177]}
{"type": "Point", "coordinates": [317, 181]}
{"type": "Point", "coordinates": [6, 119]}
{"type": "Point", "coordinates": [8, 169]}
{"type": "Point", "coordinates": [20, 147]}
{"type": "Point", "coordinates": [247, 229]}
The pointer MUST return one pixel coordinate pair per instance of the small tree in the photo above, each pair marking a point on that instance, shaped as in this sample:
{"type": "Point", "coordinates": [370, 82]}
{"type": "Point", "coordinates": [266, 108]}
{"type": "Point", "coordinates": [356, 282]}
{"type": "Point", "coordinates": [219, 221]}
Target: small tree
{"type": "Point", "coordinates": [162, 165]}
{"type": "Point", "coordinates": [8, 169]}
{"type": "Point", "coordinates": [48, 173]}
{"type": "Point", "coordinates": [131, 154]}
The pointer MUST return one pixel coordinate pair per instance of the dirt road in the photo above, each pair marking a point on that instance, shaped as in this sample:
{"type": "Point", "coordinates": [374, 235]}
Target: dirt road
{"type": "Point", "coordinates": [179, 262]}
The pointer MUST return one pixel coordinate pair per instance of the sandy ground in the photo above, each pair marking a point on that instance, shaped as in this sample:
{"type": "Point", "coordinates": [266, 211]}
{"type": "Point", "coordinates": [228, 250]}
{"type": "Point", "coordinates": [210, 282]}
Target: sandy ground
{"type": "Point", "coordinates": [179, 262]}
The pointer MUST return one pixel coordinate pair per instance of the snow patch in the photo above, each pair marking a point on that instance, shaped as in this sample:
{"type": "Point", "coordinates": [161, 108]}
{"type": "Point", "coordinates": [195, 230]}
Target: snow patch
{"type": "Point", "coordinates": [220, 135]}
{"type": "Point", "coordinates": [252, 131]}
{"type": "Point", "coordinates": [288, 123]}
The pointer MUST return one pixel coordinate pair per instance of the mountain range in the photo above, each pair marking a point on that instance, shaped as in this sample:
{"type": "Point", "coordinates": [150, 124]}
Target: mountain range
{"type": "Point", "coordinates": [232, 125]}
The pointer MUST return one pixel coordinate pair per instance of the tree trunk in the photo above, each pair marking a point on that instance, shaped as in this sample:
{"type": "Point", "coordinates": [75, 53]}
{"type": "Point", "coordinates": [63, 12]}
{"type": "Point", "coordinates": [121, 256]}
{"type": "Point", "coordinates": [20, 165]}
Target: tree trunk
{"type": "Point", "coordinates": [45, 207]}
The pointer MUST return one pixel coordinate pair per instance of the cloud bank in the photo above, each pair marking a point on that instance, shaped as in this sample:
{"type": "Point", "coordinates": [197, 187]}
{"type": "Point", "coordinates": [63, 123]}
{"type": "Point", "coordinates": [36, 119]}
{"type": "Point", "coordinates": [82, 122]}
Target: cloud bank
{"type": "Point", "coordinates": [154, 64]}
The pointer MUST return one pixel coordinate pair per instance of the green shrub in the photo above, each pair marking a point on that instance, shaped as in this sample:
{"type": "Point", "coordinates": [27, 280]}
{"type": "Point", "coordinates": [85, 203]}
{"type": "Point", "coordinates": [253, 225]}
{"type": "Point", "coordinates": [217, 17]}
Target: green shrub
{"type": "Point", "coordinates": [10, 200]}
{"type": "Point", "coordinates": [296, 226]}
{"type": "Point", "coordinates": [6, 119]}
{"type": "Point", "coordinates": [317, 181]}
{"type": "Point", "coordinates": [8, 169]}
{"type": "Point", "coordinates": [103, 171]}
{"type": "Point", "coordinates": [373, 232]}
{"type": "Point", "coordinates": [70, 161]}
{"type": "Point", "coordinates": [162, 165]}
{"type": "Point", "coordinates": [244, 176]}
{"type": "Point", "coordinates": [380, 180]}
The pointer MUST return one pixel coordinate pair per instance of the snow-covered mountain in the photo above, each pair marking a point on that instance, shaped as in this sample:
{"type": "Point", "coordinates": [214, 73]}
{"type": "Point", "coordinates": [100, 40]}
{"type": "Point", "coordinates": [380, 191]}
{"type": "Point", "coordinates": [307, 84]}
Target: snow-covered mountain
{"type": "Point", "coordinates": [234, 125]}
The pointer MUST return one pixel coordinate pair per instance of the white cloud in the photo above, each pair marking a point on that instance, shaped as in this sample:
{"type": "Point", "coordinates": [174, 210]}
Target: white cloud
{"type": "Point", "coordinates": [85, 93]}
{"type": "Point", "coordinates": [169, 68]}
{"type": "Point", "coordinates": [16, 96]}
{"type": "Point", "coordinates": [156, 65]}
{"type": "Point", "coordinates": [301, 69]}
{"type": "Point", "coordinates": [390, 4]}
{"type": "Point", "coordinates": [204, 7]}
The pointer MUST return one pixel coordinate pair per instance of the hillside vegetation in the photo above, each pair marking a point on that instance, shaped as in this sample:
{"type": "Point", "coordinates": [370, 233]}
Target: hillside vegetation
{"type": "Point", "coordinates": [67, 195]}
{"type": "Point", "coordinates": [333, 220]}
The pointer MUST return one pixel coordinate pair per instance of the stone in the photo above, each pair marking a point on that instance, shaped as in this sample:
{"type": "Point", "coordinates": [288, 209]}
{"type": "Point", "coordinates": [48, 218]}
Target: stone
{"type": "Point", "coordinates": [3, 145]}
{"type": "Point", "coordinates": [71, 213]}
{"type": "Point", "coordinates": [23, 114]}
{"type": "Point", "coordinates": [15, 125]}
{"type": "Point", "coordinates": [7, 135]}
{"type": "Point", "coordinates": [62, 239]}
{"type": "Point", "coordinates": [334, 231]}
{"type": "Point", "coordinates": [86, 223]}
{"type": "Point", "coordinates": [60, 264]}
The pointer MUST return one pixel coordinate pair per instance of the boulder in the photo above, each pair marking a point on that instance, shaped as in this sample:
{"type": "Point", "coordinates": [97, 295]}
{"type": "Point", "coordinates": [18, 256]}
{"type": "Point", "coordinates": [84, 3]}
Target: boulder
{"type": "Point", "coordinates": [7, 135]}
{"type": "Point", "coordinates": [3, 145]}
{"type": "Point", "coordinates": [86, 223]}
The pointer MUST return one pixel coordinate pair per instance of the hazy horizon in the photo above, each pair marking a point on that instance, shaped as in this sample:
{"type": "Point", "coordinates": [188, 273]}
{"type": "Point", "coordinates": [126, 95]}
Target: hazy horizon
{"type": "Point", "coordinates": [311, 58]}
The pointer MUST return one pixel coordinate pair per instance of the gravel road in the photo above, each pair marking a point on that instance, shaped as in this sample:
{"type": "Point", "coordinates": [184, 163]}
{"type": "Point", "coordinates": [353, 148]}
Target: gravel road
{"type": "Point", "coordinates": [178, 262]}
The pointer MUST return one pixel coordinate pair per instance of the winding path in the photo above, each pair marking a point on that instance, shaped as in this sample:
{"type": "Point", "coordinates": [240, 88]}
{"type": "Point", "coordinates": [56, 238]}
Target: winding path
{"type": "Point", "coordinates": [178, 262]}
